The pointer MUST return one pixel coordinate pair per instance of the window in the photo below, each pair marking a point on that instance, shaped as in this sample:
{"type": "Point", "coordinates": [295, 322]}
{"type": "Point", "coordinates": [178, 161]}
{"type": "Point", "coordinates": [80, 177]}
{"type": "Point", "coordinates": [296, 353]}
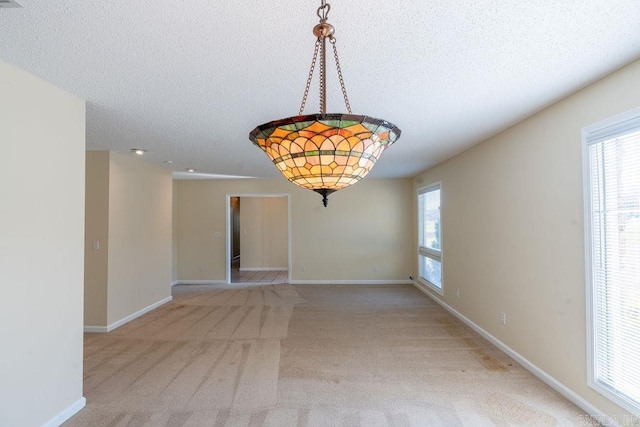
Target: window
{"type": "Point", "coordinates": [611, 151]}
{"type": "Point", "coordinates": [430, 236]}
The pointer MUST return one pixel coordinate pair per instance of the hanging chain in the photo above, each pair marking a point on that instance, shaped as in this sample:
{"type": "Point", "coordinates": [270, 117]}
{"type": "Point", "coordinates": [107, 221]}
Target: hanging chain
{"type": "Point", "coordinates": [313, 66]}
{"type": "Point", "coordinates": [320, 48]}
{"type": "Point", "coordinates": [344, 89]}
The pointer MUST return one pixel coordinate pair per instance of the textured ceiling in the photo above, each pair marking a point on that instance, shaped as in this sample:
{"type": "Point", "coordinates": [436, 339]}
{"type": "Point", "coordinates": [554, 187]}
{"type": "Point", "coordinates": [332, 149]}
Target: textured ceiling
{"type": "Point", "coordinates": [188, 81]}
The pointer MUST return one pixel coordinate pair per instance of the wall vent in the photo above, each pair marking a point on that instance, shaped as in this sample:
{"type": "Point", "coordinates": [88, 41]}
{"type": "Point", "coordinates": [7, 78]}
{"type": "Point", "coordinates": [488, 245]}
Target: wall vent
{"type": "Point", "coordinates": [5, 4]}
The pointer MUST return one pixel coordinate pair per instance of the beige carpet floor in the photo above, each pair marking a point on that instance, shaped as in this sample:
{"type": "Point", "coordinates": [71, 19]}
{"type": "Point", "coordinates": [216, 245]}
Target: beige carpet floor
{"type": "Point", "coordinates": [283, 355]}
{"type": "Point", "coordinates": [261, 276]}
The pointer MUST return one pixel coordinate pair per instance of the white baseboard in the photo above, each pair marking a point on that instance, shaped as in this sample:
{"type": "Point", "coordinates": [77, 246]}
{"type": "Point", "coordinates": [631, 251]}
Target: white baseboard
{"type": "Point", "coordinates": [96, 329]}
{"type": "Point", "coordinates": [351, 282]}
{"type": "Point", "coordinates": [548, 379]}
{"type": "Point", "coordinates": [199, 282]}
{"type": "Point", "coordinates": [129, 318]}
{"type": "Point", "coordinates": [69, 412]}
{"type": "Point", "coordinates": [264, 269]}
{"type": "Point", "coordinates": [175, 282]}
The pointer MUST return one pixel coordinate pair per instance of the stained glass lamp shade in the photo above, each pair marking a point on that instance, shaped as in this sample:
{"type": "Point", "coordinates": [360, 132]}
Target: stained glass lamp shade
{"type": "Point", "coordinates": [325, 152]}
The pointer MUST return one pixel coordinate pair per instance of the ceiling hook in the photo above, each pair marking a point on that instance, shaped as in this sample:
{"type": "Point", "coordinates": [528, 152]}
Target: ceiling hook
{"type": "Point", "coordinates": [323, 11]}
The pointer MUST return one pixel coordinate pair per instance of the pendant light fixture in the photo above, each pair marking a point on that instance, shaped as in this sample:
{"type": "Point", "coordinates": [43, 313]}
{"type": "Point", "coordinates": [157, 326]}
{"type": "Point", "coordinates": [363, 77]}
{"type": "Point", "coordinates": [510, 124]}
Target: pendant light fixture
{"type": "Point", "coordinates": [324, 152]}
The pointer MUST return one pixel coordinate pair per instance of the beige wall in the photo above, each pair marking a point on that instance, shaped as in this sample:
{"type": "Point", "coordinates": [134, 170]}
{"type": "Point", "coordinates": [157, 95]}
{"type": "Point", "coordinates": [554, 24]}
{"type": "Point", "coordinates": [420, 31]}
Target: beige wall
{"type": "Point", "coordinates": [264, 233]}
{"type": "Point", "coordinates": [512, 230]}
{"type": "Point", "coordinates": [365, 228]}
{"type": "Point", "coordinates": [42, 133]}
{"type": "Point", "coordinates": [174, 231]}
{"type": "Point", "coordinates": [140, 235]}
{"type": "Point", "coordinates": [96, 261]}
{"type": "Point", "coordinates": [129, 211]}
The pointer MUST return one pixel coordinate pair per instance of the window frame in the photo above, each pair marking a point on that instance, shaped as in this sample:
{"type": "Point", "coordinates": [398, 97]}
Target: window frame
{"type": "Point", "coordinates": [426, 251]}
{"type": "Point", "coordinates": [602, 131]}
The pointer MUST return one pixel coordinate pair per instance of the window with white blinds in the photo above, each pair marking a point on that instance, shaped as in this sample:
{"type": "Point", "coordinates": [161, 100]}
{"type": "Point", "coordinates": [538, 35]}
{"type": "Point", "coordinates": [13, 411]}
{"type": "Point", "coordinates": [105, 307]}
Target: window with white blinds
{"type": "Point", "coordinates": [612, 237]}
{"type": "Point", "coordinates": [430, 236]}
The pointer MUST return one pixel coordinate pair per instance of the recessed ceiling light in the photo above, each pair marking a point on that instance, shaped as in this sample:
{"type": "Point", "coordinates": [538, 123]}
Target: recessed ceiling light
{"type": "Point", "coordinates": [138, 151]}
{"type": "Point", "coordinates": [169, 162]}
{"type": "Point", "coordinates": [192, 170]}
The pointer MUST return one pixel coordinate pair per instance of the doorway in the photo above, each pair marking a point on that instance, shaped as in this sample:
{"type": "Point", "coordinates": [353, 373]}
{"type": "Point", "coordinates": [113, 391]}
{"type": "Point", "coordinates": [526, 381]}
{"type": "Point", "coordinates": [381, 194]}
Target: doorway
{"type": "Point", "coordinates": [258, 238]}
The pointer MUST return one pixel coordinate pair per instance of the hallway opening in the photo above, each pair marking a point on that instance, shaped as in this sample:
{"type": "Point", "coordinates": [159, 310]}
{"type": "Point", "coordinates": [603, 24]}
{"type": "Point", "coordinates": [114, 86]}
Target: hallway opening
{"type": "Point", "coordinates": [258, 238]}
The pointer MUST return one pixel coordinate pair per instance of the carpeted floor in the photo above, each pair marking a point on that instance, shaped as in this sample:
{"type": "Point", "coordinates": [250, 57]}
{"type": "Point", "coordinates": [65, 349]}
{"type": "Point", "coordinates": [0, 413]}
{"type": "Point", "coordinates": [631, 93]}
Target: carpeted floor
{"type": "Point", "coordinates": [261, 276]}
{"type": "Point", "coordinates": [279, 355]}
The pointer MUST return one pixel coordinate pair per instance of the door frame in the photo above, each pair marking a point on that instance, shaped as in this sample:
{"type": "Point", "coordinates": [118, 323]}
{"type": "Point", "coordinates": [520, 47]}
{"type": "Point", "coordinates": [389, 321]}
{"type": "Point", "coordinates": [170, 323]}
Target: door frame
{"type": "Point", "coordinates": [228, 228]}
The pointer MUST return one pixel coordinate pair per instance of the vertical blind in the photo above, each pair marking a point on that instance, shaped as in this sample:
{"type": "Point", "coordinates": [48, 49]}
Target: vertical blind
{"type": "Point", "coordinates": [614, 193]}
{"type": "Point", "coordinates": [430, 235]}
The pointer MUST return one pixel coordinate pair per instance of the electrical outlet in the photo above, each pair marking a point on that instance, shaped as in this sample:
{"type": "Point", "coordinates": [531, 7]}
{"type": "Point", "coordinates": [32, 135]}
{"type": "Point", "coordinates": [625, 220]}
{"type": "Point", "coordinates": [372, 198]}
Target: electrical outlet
{"type": "Point", "coordinates": [503, 318]}
{"type": "Point", "coordinates": [201, 268]}
{"type": "Point", "coordinates": [458, 293]}
{"type": "Point", "coordinates": [375, 268]}
{"type": "Point", "coordinates": [302, 267]}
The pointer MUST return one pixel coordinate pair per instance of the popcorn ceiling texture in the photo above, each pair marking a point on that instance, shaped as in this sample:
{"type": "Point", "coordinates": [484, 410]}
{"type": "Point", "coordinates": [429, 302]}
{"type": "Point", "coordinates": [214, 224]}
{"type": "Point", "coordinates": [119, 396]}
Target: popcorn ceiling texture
{"type": "Point", "coordinates": [189, 80]}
